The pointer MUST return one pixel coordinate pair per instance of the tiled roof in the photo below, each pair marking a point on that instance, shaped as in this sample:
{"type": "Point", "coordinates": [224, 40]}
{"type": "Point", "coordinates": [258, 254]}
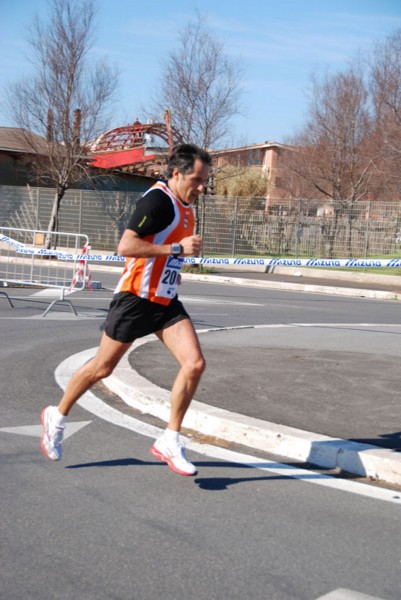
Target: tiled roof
{"type": "Point", "coordinates": [262, 146]}
{"type": "Point", "coordinates": [13, 139]}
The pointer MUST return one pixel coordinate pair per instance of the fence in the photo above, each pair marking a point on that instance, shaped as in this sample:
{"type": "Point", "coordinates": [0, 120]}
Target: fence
{"type": "Point", "coordinates": [241, 227]}
{"type": "Point", "coordinates": [28, 258]}
{"type": "Point", "coordinates": [229, 226]}
{"type": "Point", "coordinates": [102, 216]}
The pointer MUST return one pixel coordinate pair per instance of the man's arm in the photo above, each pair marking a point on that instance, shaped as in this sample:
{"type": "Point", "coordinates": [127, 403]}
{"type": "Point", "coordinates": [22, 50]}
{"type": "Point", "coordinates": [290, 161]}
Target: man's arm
{"type": "Point", "coordinates": [131, 245]}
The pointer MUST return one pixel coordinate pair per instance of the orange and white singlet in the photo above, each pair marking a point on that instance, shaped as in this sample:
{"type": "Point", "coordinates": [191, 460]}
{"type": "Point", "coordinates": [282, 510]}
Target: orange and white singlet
{"type": "Point", "coordinates": [159, 218]}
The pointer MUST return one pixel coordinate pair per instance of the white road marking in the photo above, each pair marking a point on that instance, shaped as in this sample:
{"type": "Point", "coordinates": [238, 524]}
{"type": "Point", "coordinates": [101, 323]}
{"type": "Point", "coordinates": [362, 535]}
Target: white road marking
{"type": "Point", "coordinates": [57, 316]}
{"type": "Point", "coordinates": [47, 293]}
{"type": "Point", "coordinates": [36, 430]}
{"type": "Point", "coordinates": [108, 298]}
{"type": "Point", "coordinates": [99, 408]}
{"type": "Point", "coordinates": [209, 301]}
{"type": "Point", "coordinates": [343, 594]}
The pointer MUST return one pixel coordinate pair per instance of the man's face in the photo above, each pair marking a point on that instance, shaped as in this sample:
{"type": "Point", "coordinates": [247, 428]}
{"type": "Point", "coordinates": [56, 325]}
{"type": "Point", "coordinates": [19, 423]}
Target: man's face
{"type": "Point", "coordinates": [189, 186]}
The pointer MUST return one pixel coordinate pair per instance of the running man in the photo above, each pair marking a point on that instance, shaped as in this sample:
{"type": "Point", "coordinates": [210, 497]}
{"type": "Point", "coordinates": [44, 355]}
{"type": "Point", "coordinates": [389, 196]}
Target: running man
{"type": "Point", "coordinates": [160, 232]}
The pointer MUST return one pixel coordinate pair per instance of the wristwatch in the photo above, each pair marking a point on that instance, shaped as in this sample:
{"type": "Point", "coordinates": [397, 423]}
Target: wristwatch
{"type": "Point", "coordinates": [176, 250]}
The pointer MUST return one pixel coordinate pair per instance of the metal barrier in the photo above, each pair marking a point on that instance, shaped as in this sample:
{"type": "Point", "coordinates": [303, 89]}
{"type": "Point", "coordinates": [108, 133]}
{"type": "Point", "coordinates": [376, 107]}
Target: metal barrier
{"type": "Point", "coordinates": [28, 257]}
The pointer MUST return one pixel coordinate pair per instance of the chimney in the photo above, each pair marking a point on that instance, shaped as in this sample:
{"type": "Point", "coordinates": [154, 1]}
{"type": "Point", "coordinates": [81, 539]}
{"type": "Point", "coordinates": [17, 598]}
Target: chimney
{"type": "Point", "coordinates": [49, 133]}
{"type": "Point", "coordinates": [77, 126]}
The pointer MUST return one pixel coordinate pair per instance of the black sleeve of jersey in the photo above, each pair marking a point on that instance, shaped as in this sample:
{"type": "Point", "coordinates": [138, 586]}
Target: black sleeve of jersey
{"type": "Point", "coordinates": [153, 213]}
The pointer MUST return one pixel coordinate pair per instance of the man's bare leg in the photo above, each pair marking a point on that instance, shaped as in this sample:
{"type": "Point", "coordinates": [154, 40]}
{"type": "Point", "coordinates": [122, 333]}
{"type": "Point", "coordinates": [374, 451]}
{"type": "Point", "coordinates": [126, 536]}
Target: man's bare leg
{"type": "Point", "coordinates": [182, 341]}
{"type": "Point", "coordinates": [100, 366]}
{"type": "Point", "coordinates": [53, 417]}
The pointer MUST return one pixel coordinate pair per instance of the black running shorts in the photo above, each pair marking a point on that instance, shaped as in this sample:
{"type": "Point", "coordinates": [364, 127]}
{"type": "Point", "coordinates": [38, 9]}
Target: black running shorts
{"type": "Point", "coordinates": [131, 317]}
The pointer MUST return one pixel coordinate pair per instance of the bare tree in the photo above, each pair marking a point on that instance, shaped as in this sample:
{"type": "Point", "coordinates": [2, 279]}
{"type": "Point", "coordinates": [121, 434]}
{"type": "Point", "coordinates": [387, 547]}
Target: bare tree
{"type": "Point", "coordinates": [66, 99]}
{"type": "Point", "coordinates": [386, 98]}
{"type": "Point", "coordinates": [200, 86]}
{"type": "Point", "coordinates": [350, 147]}
{"type": "Point", "coordinates": [335, 155]}
{"type": "Point", "coordinates": [336, 135]}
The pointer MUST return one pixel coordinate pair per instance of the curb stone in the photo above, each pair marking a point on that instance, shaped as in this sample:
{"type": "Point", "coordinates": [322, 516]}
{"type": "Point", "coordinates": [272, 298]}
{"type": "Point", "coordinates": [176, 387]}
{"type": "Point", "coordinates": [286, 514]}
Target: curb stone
{"type": "Point", "coordinates": [296, 287]}
{"type": "Point", "coordinates": [359, 459]}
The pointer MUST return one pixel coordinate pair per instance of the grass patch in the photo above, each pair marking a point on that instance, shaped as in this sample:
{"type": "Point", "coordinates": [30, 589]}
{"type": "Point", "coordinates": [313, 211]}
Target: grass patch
{"type": "Point", "coordinates": [197, 269]}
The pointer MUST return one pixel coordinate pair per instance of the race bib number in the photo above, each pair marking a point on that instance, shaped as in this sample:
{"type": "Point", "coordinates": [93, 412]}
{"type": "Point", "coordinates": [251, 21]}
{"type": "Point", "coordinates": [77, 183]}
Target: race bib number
{"type": "Point", "coordinates": [168, 282]}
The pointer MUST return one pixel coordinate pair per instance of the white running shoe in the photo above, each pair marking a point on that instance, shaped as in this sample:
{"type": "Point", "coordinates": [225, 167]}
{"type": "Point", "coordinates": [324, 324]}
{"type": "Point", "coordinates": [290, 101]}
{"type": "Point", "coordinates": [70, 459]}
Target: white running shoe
{"type": "Point", "coordinates": [174, 456]}
{"type": "Point", "coordinates": [52, 434]}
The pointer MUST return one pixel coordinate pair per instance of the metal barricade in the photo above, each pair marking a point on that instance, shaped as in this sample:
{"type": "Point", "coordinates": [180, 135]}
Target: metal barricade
{"type": "Point", "coordinates": [38, 258]}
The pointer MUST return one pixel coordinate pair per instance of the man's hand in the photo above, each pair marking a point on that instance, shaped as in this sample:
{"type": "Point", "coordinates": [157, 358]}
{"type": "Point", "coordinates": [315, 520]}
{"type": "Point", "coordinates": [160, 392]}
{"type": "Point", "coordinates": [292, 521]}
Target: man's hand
{"type": "Point", "coordinates": [191, 246]}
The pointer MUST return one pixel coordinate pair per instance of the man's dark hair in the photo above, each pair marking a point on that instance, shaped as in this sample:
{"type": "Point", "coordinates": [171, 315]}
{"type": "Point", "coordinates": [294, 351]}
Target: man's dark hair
{"type": "Point", "coordinates": [183, 158]}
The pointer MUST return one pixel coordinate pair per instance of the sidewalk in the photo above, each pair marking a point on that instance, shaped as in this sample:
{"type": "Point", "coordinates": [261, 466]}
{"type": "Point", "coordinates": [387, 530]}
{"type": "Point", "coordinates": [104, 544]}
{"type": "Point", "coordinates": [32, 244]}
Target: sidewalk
{"type": "Point", "coordinates": [275, 414]}
{"type": "Point", "coordinates": [346, 283]}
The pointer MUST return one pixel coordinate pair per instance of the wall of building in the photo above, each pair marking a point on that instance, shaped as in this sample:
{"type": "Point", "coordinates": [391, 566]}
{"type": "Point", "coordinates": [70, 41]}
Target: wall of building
{"type": "Point", "coordinates": [12, 170]}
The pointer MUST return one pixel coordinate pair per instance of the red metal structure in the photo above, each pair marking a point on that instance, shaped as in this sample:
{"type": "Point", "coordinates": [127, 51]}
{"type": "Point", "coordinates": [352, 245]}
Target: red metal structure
{"type": "Point", "coordinates": [135, 148]}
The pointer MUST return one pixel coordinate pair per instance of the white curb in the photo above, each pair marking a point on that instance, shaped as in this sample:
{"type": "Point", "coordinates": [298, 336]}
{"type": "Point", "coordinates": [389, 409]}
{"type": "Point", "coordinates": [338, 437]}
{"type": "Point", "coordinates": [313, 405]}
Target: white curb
{"type": "Point", "coordinates": [359, 459]}
{"type": "Point", "coordinates": [295, 287]}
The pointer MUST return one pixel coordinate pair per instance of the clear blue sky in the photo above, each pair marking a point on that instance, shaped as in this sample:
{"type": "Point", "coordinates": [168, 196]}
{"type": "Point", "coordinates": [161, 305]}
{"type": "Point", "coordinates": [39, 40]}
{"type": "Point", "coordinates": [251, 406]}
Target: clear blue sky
{"type": "Point", "coordinates": [282, 42]}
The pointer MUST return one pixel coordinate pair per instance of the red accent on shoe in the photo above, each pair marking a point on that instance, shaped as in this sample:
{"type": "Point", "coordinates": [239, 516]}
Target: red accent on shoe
{"type": "Point", "coordinates": [163, 458]}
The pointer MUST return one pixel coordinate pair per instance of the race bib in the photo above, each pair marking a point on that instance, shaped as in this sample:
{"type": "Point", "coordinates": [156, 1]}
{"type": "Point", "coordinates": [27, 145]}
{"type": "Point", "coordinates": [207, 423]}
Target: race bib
{"type": "Point", "coordinates": [168, 282]}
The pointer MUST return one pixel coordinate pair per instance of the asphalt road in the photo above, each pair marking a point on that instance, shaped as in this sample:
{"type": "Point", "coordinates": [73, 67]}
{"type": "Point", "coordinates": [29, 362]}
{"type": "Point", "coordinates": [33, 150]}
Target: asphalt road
{"type": "Point", "coordinates": [317, 363]}
{"type": "Point", "coordinates": [109, 522]}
